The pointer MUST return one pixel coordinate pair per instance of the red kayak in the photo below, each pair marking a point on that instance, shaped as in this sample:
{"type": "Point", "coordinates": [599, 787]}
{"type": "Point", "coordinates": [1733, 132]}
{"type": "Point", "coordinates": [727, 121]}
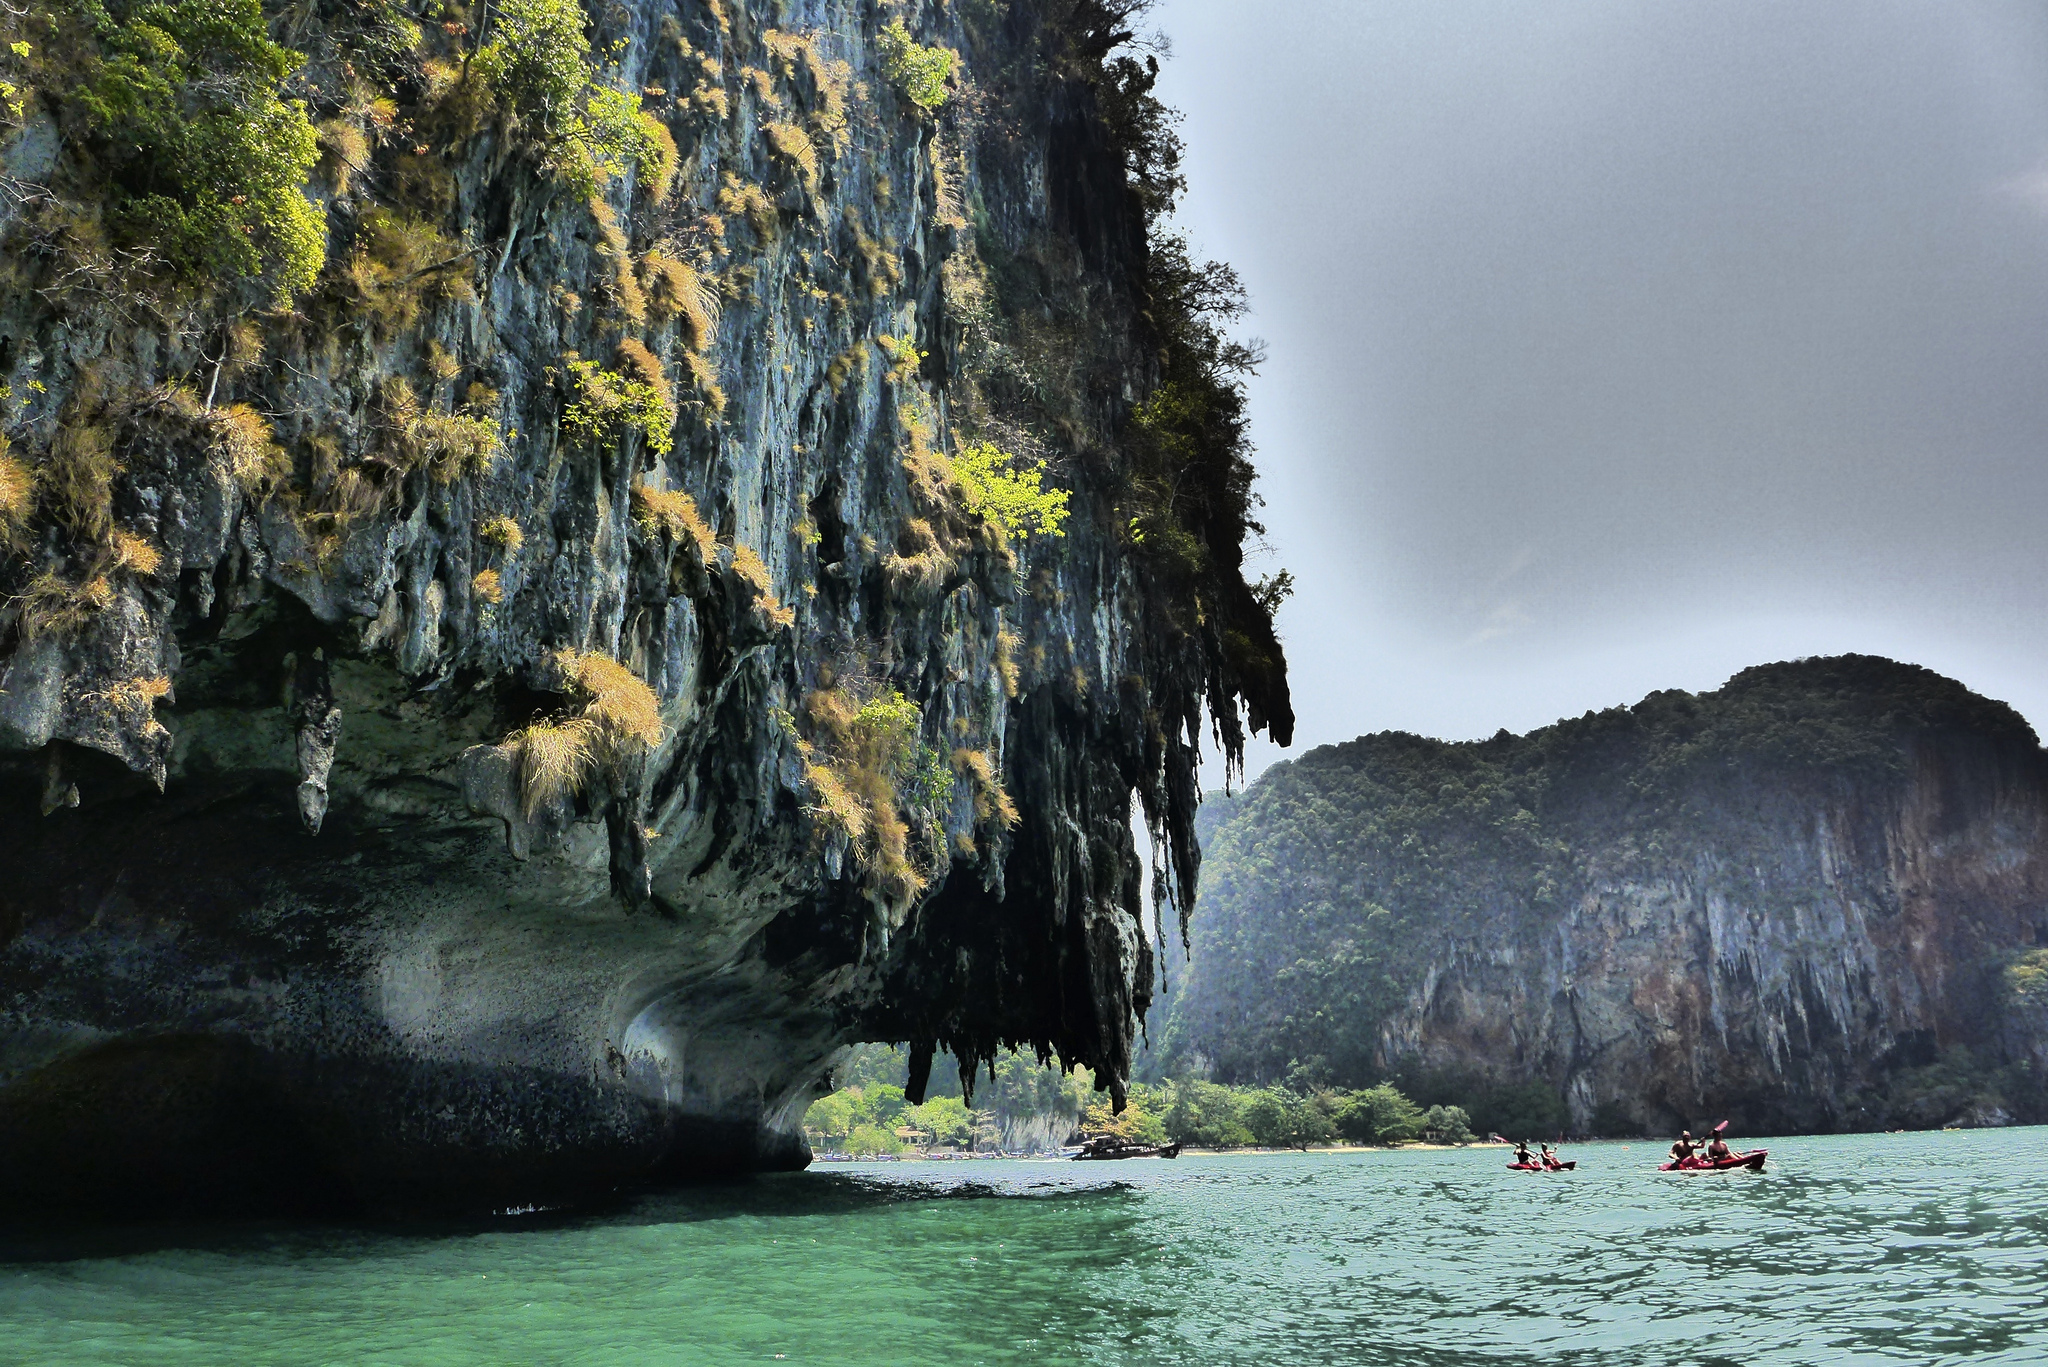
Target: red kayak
{"type": "Point", "coordinates": [1753, 1160]}
{"type": "Point", "coordinates": [1538, 1167]}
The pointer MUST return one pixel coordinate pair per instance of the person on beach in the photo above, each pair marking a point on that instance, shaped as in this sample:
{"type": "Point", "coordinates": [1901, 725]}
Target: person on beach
{"type": "Point", "coordinates": [1682, 1149]}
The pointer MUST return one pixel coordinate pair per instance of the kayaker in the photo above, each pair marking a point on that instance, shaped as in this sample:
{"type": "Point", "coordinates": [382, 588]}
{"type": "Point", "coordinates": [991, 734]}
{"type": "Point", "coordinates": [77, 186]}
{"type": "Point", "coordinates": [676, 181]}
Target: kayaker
{"type": "Point", "coordinates": [1550, 1158]}
{"type": "Point", "coordinates": [1682, 1149]}
{"type": "Point", "coordinates": [1522, 1154]}
{"type": "Point", "coordinates": [1717, 1149]}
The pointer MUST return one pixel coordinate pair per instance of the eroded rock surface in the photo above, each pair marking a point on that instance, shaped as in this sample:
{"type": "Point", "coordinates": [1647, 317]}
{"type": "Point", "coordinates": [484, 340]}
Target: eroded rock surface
{"type": "Point", "coordinates": [294, 910]}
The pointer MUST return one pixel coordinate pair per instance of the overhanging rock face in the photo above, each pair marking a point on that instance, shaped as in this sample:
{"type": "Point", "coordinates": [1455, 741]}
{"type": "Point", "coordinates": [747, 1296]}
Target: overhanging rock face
{"type": "Point", "coordinates": [498, 728]}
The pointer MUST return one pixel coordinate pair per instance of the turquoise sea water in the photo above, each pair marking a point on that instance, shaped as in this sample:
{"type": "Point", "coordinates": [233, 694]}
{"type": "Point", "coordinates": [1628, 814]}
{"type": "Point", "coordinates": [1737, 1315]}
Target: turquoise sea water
{"type": "Point", "coordinates": [1926, 1248]}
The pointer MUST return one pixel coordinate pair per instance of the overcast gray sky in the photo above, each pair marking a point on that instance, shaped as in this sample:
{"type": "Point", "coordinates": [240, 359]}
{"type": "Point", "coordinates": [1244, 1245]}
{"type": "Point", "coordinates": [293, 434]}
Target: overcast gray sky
{"type": "Point", "coordinates": [1617, 346]}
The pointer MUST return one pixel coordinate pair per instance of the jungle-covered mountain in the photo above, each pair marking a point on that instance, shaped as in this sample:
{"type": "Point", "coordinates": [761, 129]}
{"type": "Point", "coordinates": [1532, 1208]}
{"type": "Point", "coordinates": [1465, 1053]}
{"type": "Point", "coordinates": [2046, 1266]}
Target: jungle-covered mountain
{"type": "Point", "coordinates": [1815, 898]}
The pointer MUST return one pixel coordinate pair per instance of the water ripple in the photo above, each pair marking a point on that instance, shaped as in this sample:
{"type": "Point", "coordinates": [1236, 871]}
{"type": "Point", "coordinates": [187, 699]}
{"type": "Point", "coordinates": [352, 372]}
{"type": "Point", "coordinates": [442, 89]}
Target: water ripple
{"type": "Point", "coordinates": [1867, 1249]}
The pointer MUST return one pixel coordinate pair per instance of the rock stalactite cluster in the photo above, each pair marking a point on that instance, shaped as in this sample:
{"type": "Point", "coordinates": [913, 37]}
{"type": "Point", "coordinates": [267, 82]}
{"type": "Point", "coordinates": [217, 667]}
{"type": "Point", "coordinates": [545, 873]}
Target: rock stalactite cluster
{"type": "Point", "coordinates": [562, 564]}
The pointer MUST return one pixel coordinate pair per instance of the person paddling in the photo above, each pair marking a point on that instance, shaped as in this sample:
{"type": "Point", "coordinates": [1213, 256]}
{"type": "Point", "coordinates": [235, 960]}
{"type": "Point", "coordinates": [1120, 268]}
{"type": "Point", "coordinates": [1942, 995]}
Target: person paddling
{"type": "Point", "coordinates": [1717, 1147]}
{"type": "Point", "coordinates": [1682, 1149]}
{"type": "Point", "coordinates": [1550, 1159]}
{"type": "Point", "coordinates": [1522, 1155]}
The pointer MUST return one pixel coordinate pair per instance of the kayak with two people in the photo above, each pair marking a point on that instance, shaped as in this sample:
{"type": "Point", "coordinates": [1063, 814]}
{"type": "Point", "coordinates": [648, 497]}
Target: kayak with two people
{"type": "Point", "coordinates": [1547, 1161]}
{"type": "Point", "coordinates": [1713, 1156]}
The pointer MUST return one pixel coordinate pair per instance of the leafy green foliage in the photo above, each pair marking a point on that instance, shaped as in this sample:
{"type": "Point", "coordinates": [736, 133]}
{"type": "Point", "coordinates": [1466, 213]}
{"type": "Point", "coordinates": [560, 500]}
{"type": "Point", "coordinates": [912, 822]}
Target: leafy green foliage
{"type": "Point", "coordinates": [1190, 507]}
{"type": "Point", "coordinates": [904, 356]}
{"type": "Point", "coordinates": [2026, 977]}
{"type": "Point", "coordinates": [1450, 1124]}
{"type": "Point", "coordinates": [1208, 1115]}
{"type": "Point", "coordinates": [890, 719]}
{"type": "Point", "coordinates": [14, 98]}
{"type": "Point", "coordinates": [862, 1115]}
{"type": "Point", "coordinates": [206, 162]}
{"type": "Point", "coordinates": [537, 60]}
{"type": "Point", "coordinates": [859, 1120]}
{"type": "Point", "coordinates": [919, 73]}
{"type": "Point", "coordinates": [1023, 1087]}
{"type": "Point", "coordinates": [1272, 590]}
{"type": "Point", "coordinates": [889, 725]}
{"type": "Point", "coordinates": [1013, 498]}
{"type": "Point", "coordinates": [1280, 1119]}
{"type": "Point", "coordinates": [1213, 1115]}
{"type": "Point", "coordinates": [1188, 1111]}
{"type": "Point", "coordinates": [612, 133]}
{"type": "Point", "coordinates": [1189, 495]}
{"type": "Point", "coordinates": [941, 1120]}
{"type": "Point", "coordinates": [1140, 1121]}
{"type": "Point", "coordinates": [603, 403]}
{"type": "Point", "coordinates": [1379, 1115]}
{"type": "Point", "coordinates": [1330, 887]}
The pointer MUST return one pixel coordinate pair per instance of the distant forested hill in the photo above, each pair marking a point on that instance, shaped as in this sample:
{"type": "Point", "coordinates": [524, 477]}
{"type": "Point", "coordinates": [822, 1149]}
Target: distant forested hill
{"type": "Point", "coordinates": [1816, 898]}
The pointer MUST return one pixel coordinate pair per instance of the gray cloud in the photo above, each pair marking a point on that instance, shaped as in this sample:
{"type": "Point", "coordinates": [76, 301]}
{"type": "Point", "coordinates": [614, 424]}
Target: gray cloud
{"type": "Point", "coordinates": [1619, 346]}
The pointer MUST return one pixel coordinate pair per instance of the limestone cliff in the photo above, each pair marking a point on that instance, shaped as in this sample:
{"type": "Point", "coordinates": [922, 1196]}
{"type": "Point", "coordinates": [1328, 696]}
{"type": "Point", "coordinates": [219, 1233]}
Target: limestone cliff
{"type": "Point", "coordinates": [1813, 900]}
{"type": "Point", "coordinates": [561, 565]}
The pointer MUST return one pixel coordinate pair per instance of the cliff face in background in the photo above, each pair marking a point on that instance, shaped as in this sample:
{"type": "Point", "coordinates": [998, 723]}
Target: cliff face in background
{"type": "Point", "coordinates": [1812, 900]}
{"type": "Point", "coordinates": [514, 657]}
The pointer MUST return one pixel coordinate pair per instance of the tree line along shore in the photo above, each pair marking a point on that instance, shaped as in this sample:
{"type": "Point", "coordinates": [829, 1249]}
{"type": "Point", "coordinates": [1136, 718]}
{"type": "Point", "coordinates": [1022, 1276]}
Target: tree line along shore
{"type": "Point", "coordinates": [1026, 1107]}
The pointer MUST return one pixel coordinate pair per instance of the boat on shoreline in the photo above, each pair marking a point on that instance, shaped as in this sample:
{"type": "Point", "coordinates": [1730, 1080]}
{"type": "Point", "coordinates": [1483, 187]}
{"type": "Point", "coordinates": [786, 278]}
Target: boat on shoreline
{"type": "Point", "coordinates": [1104, 1148]}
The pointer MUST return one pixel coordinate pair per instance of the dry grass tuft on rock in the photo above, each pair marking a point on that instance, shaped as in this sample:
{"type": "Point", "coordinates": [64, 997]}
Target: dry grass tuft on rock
{"type": "Point", "coordinates": [138, 697]}
{"type": "Point", "coordinates": [77, 479]}
{"type": "Point", "coordinates": [345, 153]}
{"type": "Point", "coordinates": [660, 177]}
{"type": "Point", "coordinates": [704, 379]}
{"type": "Point", "coordinates": [991, 799]}
{"type": "Point", "coordinates": [555, 760]}
{"type": "Point", "coordinates": [750, 202]}
{"type": "Point", "coordinates": [920, 562]}
{"type": "Point", "coordinates": [674, 512]}
{"type": "Point", "coordinates": [675, 289]}
{"type": "Point", "coordinates": [748, 565]}
{"type": "Point", "coordinates": [872, 776]}
{"type": "Point", "coordinates": [1006, 661]}
{"type": "Point", "coordinates": [136, 555]}
{"type": "Point", "coordinates": [54, 606]}
{"type": "Point", "coordinates": [244, 441]}
{"type": "Point", "coordinates": [17, 498]}
{"type": "Point", "coordinates": [794, 145]}
{"type": "Point", "coordinates": [448, 446]}
{"type": "Point", "coordinates": [618, 702]}
{"type": "Point", "coordinates": [621, 291]}
{"type": "Point", "coordinates": [402, 264]}
{"type": "Point", "coordinates": [637, 362]}
{"type": "Point", "coordinates": [752, 571]}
